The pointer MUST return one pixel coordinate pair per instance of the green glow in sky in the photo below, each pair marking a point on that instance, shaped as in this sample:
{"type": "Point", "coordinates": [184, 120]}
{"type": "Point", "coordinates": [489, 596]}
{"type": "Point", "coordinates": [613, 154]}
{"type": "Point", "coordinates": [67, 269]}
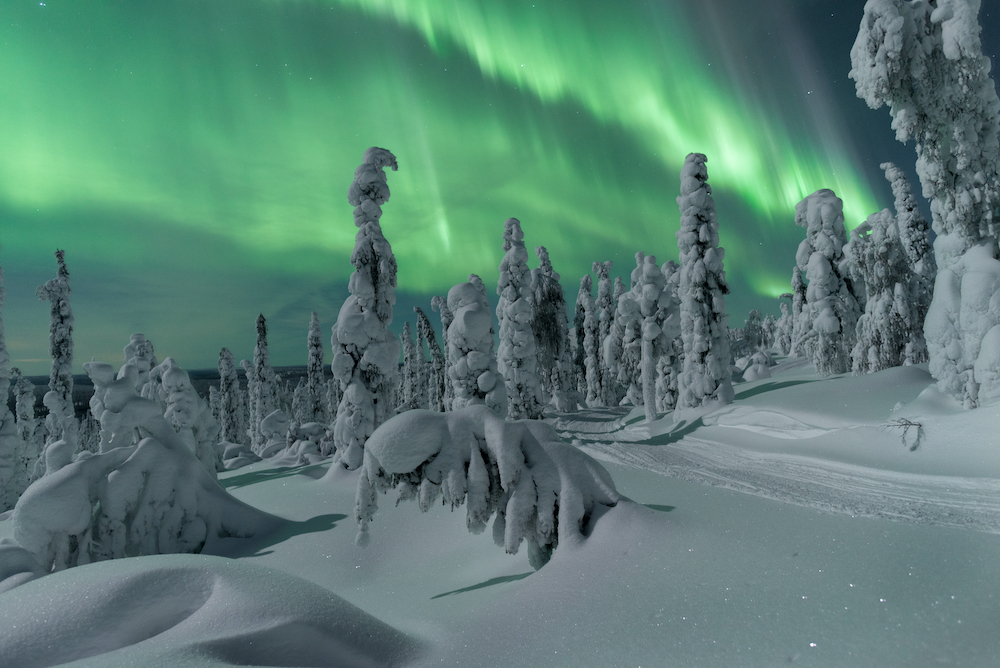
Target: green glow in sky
{"type": "Point", "coordinates": [193, 157]}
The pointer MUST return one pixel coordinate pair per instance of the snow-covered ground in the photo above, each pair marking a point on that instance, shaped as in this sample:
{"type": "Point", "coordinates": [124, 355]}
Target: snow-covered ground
{"type": "Point", "coordinates": [794, 526]}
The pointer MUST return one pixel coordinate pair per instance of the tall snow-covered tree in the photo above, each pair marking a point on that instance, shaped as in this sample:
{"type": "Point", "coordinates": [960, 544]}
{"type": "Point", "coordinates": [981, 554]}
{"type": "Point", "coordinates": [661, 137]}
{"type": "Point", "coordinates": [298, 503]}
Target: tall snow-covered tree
{"type": "Point", "coordinates": [440, 304]}
{"type": "Point", "coordinates": [924, 61]}
{"type": "Point", "coordinates": [783, 330]}
{"type": "Point", "coordinates": [605, 304]}
{"type": "Point", "coordinates": [671, 360]}
{"type": "Point", "coordinates": [591, 342]}
{"type": "Point", "coordinates": [474, 374]}
{"type": "Point", "coordinates": [56, 292]}
{"type": "Point", "coordinates": [11, 445]}
{"type": "Point", "coordinates": [622, 347]}
{"type": "Point", "coordinates": [314, 407]}
{"type": "Point", "coordinates": [551, 328]}
{"type": "Point", "coordinates": [578, 336]}
{"type": "Point", "coordinates": [139, 353]}
{"type": "Point", "coordinates": [262, 388]}
{"type": "Point", "coordinates": [702, 288]}
{"type": "Point", "coordinates": [517, 354]}
{"type": "Point", "coordinates": [660, 313]}
{"type": "Point", "coordinates": [366, 353]}
{"type": "Point", "coordinates": [232, 410]}
{"type": "Point", "coordinates": [800, 318]}
{"type": "Point", "coordinates": [435, 365]}
{"type": "Point", "coordinates": [831, 312]}
{"type": "Point", "coordinates": [412, 394]}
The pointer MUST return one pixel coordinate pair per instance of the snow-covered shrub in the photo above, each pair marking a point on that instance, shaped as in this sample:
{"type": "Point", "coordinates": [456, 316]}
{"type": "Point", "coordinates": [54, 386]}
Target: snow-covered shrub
{"type": "Point", "coordinates": [517, 354]}
{"type": "Point", "coordinates": [702, 288]}
{"type": "Point", "coordinates": [440, 304]}
{"type": "Point", "coordinates": [551, 329]}
{"type": "Point", "coordinates": [151, 498]}
{"type": "Point", "coordinates": [435, 366]}
{"type": "Point", "coordinates": [831, 310]}
{"type": "Point", "coordinates": [262, 387]}
{"type": "Point", "coordinates": [366, 353]}
{"type": "Point", "coordinates": [56, 292]}
{"type": "Point", "coordinates": [924, 60]}
{"type": "Point", "coordinates": [474, 375]}
{"type": "Point", "coordinates": [543, 491]}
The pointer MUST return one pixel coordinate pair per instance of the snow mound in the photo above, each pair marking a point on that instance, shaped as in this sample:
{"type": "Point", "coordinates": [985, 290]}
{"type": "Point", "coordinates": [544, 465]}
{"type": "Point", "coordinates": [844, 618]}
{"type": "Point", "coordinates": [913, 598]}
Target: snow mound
{"type": "Point", "coordinates": [765, 422]}
{"type": "Point", "coordinates": [189, 610]}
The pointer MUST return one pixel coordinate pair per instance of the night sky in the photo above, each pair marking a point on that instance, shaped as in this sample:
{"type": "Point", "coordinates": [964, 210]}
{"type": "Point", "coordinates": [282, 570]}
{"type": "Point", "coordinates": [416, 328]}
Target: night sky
{"type": "Point", "coordinates": [192, 157]}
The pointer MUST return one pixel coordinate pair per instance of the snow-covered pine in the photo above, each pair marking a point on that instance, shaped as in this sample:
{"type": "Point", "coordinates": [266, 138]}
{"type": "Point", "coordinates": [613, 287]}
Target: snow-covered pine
{"type": "Point", "coordinates": [578, 336]}
{"type": "Point", "coordinates": [831, 312]}
{"type": "Point", "coordinates": [436, 395]}
{"type": "Point", "coordinates": [702, 288]}
{"type": "Point", "coordinates": [660, 314]}
{"type": "Point", "coordinates": [440, 304]}
{"type": "Point", "coordinates": [475, 379]}
{"type": "Point", "coordinates": [56, 292]}
{"type": "Point", "coordinates": [262, 387]}
{"type": "Point", "coordinates": [671, 360]}
{"type": "Point", "coordinates": [800, 324]}
{"type": "Point", "coordinates": [591, 341]}
{"type": "Point", "coordinates": [622, 347]}
{"type": "Point", "coordinates": [299, 403]}
{"type": "Point", "coordinates": [412, 394]}
{"type": "Point", "coordinates": [314, 407]}
{"type": "Point", "coordinates": [924, 60]}
{"type": "Point", "coordinates": [551, 328]}
{"type": "Point", "coordinates": [517, 354]}
{"type": "Point", "coordinates": [29, 429]}
{"type": "Point", "coordinates": [914, 235]}
{"type": "Point", "coordinates": [783, 330]}
{"type": "Point", "coordinates": [365, 352]}
{"type": "Point", "coordinates": [543, 491]}
{"type": "Point", "coordinates": [605, 303]}
{"type": "Point", "coordinates": [11, 445]}
{"type": "Point", "coordinates": [232, 410]}
{"type": "Point", "coordinates": [753, 331]}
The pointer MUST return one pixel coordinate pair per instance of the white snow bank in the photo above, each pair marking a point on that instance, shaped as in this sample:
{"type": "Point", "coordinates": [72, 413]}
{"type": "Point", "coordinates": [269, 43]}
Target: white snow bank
{"type": "Point", "coordinates": [189, 610]}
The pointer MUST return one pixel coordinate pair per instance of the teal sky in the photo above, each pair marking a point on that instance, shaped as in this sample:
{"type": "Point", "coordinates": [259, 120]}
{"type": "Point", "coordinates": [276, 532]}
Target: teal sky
{"type": "Point", "coordinates": [192, 157]}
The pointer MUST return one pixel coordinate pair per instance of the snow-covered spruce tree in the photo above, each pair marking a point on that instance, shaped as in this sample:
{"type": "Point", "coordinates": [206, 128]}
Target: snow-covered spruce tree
{"type": "Point", "coordinates": [660, 314]}
{"type": "Point", "coordinates": [883, 331]}
{"type": "Point", "coordinates": [591, 342]}
{"type": "Point", "coordinates": [543, 491]}
{"type": "Point", "coordinates": [29, 429]}
{"type": "Point", "coordinates": [314, 408]}
{"type": "Point", "coordinates": [440, 304]}
{"type": "Point", "coordinates": [56, 292]}
{"type": "Point", "coordinates": [622, 347]}
{"type": "Point", "coordinates": [139, 353]}
{"type": "Point", "coordinates": [412, 395]}
{"type": "Point", "coordinates": [365, 352]}
{"type": "Point", "coordinates": [671, 360]}
{"type": "Point", "coordinates": [702, 288]}
{"type": "Point", "coordinates": [551, 328]}
{"type": "Point", "coordinates": [11, 445]}
{"type": "Point", "coordinates": [578, 337]}
{"type": "Point", "coordinates": [517, 354]}
{"type": "Point", "coordinates": [435, 366]}
{"type": "Point", "coordinates": [609, 393]}
{"type": "Point", "coordinates": [831, 312]}
{"type": "Point", "coordinates": [262, 387]}
{"type": "Point", "coordinates": [783, 330]}
{"type": "Point", "coordinates": [924, 60]}
{"type": "Point", "coordinates": [770, 326]}
{"type": "Point", "coordinates": [914, 235]}
{"type": "Point", "coordinates": [800, 317]}
{"type": "Point", "coordinates": [474, 374]}
{"type": "Point", "coordinates": [232, 411]}
{"type": "Point", "coordinates": [190, 416]}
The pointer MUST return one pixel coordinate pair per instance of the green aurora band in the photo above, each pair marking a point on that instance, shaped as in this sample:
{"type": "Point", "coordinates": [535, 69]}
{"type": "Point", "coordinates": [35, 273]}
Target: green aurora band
{"type": "Point", "coordinates": [193, 157]}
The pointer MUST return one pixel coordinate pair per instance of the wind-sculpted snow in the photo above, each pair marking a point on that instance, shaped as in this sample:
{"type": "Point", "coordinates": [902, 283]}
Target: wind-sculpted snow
{"type": "Point", "coordinates": [542, 490]}
{"type": "Point", "coordinates": [190, 610]}
{"type": "Point", "coordinates": [153, 497]}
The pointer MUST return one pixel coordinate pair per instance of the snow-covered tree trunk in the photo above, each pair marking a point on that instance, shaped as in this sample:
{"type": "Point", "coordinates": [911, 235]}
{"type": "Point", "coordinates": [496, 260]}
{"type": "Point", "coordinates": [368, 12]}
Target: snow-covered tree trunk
{"type": "Point", "coordinates": [436, 395]}
{"type": "Point", "coordinates": [56, 292]}
{"type": "Point", "coordinates": [440, 304]}
{"type": "Point", "coordinates": [314, 409]}
{"type": "Point", "coordinates": [831, 312]}
{"type": "Point", "coordinates": [474, 374]}
{"type": "Point", "coordinates": [262, 388]}
{"type": "Point", "coordinates": [702, 288]}
{"type": "Point", "coordinates": [551, 330]}
{"type": "Point", "coordinates": [924, 60]}
{"type": "Point", "coordinates": [232, 421]}
{"type": "Point", "coordinates": [517, 354]}
{"type": "Point", "coordinates": [366, 353]}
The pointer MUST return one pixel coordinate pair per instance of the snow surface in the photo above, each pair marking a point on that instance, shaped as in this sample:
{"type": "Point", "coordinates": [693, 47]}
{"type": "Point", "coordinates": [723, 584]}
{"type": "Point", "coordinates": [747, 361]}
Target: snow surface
{"type": "Point", "coordinates": [793, 526]}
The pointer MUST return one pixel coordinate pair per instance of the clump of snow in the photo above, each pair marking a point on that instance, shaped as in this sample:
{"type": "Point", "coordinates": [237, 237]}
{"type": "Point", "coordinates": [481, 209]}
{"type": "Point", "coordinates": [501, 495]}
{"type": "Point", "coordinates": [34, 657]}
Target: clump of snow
{"type": "Point", "coordinates": [542, 490]}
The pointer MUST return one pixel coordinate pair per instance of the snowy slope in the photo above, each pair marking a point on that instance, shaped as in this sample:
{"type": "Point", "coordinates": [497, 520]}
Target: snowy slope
{"type": "Point", "coordinates": [785, 528]}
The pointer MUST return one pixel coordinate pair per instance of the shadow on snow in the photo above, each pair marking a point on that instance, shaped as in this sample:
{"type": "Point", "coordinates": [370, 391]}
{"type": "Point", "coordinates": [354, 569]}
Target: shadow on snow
{"type": "Point", "coordinates": [482, 585]}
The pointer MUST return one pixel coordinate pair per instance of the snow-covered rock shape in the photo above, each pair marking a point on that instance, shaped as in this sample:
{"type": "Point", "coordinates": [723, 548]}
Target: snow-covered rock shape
{"type": "Point", "coordinates": [831, 311]}
{"type": "Point", "coordinates": [56, 292]}
{"type": "Point", "coordinates": [151, 498]}
{"type": "Point", "coordinates": [365, 352]}
{"type": "Point", "coordinates": [924, 60]}
{"type": "Point", "coordinates": [543, 491]}
{"type": "Point", "coordinates": [702, 288]}
{"type": "Point", "coordinates": [517, 354]}
{"type": "Point", "coordinates": [435, 366]}
{"type": "Point", "coordinates": [551, 329]}
{"type": "Point", "coordinates": [474, 375]}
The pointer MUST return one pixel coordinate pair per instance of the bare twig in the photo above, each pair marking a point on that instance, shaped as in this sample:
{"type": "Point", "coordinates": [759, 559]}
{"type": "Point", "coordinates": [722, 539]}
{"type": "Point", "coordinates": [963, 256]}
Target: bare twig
{"type": "Point", "coordinates": [906, 424]}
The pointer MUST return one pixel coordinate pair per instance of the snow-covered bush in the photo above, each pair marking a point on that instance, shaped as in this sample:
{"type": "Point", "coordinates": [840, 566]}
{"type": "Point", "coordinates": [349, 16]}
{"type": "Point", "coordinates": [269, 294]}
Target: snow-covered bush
{"type": "Point", "coordinates": [474, 375]}
{"type": "Point", "coordinates": [551, 329]}
{"type": "Point", "coordinates": [543, 491]}
{"type": "Point", "coordinates": [702, 288]}
{"type": "Point", "coordinates": [924, 60]}
{"type": "Point", "coordinates": [151, 498]}
{"type": "Point", "coordinates": [56, 292]}
{"type": "Point", "coordinates": [831, 311]}
{"type": "Point", "coordinates": [517, 354]}
{"type": "Point", "coordinates": [435, 366]}
{"type": "Point", "coordinates": [366, 353]}
{"type": "Point", "coordinates": [262, 387]}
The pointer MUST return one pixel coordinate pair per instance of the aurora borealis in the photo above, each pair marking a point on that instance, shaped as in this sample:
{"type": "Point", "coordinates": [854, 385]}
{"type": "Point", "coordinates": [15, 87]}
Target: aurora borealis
{"type": "Point", "coordinates": [193, 157]}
